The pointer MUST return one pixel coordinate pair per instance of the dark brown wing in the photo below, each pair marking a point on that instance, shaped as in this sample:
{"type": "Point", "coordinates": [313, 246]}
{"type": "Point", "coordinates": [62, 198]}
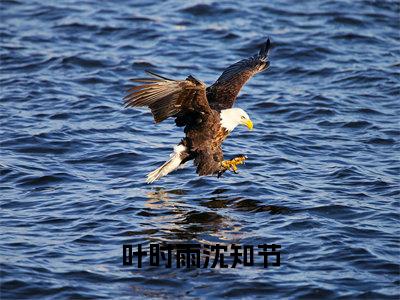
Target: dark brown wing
{"type": "Point", "coordinates": [222, 94]}
{"type": "Point", "coordinates": [167, 97]}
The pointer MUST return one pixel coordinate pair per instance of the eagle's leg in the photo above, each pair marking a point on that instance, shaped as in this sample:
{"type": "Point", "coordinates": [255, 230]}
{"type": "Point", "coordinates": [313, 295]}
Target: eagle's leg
{"type": "Point", "coordinates": [232, 164]}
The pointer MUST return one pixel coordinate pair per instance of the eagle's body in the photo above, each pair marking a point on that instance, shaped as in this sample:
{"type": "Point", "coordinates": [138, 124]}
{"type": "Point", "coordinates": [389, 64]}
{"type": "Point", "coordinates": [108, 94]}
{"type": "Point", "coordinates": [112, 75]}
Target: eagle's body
{"type": "Point", "coordinates": [204, 142]}
{"type": "Point", "coordinates": [205, 113]}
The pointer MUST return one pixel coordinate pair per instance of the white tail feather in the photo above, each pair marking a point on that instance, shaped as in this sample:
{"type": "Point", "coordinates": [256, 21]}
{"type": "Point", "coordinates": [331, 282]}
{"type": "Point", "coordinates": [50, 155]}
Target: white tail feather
{"type": "Point", "coordinates": [168, 166]}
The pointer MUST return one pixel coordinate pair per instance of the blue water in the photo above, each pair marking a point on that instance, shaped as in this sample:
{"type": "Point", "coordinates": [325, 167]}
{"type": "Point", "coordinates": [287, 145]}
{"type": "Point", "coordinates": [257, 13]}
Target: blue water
{"type": "Point", "coordinates": [322, 178]}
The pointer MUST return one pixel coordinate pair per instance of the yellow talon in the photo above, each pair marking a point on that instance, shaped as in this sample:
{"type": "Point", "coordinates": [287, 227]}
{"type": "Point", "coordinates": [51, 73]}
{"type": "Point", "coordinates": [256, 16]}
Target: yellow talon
{"type": "Point", "coordinates": [225, 164]}
{"type": "Point", "coordinates": [239, 160]}
{"type": "Point", "coordinates": [232, 164]}
{"type": "Point", "coordinates": [234, 168]}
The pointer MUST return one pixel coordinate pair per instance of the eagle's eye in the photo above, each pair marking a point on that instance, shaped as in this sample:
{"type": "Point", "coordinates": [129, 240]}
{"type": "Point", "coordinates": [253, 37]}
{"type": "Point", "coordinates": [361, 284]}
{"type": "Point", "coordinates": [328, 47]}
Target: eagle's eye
{"type": "Point", "coordinates": [243, 117]}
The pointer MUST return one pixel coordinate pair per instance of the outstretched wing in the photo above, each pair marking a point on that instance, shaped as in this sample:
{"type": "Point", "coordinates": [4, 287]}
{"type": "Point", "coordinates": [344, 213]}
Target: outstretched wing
{"type": "Point", "coordinates": [222, 94]}
{"type": "Point", "coordinates": [167, 97]}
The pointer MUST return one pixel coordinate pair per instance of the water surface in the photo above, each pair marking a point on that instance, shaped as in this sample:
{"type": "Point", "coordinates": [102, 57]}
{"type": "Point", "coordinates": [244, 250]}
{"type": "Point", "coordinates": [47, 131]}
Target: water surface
{"type": "Point", "coordinates": [321, 179]}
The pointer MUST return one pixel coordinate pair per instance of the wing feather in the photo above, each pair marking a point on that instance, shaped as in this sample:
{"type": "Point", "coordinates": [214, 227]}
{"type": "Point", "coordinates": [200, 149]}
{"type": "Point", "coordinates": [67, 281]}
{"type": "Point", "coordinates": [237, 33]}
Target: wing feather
{"type": "Point", "coordinates": [222, 94]}
{"type": "Point", "coordinates": [167, 97]}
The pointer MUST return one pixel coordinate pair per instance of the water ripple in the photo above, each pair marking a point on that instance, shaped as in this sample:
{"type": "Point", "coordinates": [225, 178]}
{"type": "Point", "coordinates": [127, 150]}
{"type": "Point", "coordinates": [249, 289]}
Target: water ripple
{"type": "Point", "coordinates": [321, 178]}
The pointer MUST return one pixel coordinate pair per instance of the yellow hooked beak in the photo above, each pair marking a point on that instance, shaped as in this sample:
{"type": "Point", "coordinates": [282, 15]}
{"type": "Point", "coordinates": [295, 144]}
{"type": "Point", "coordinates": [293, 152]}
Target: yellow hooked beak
{"type": "Point", "coordinates": [249, 124]}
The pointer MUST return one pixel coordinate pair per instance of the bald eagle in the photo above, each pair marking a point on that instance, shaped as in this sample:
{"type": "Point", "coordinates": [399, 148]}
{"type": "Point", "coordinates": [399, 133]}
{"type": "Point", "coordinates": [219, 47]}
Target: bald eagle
{"type": "Point", "coordinates": [206, 113]}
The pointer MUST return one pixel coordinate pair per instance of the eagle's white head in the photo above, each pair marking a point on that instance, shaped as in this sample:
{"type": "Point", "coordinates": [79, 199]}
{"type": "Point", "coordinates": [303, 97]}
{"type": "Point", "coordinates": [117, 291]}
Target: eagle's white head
{"type": "Point", "coordinates": [232, 117]}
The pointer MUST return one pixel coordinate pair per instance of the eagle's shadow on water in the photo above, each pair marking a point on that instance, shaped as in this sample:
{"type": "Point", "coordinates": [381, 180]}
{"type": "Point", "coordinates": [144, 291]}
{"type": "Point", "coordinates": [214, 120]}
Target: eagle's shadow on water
{"type": "Point", "coordinates": [213, 214]}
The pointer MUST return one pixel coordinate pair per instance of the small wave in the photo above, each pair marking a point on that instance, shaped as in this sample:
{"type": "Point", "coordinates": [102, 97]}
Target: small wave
{"type": "Point", "coordinates": [194, 217]}
{"type": "Point", "coordinates": [60, 116]}
{"type": "Point", "coordinates": [381, 141]}
{"type": "Point", "coordinates": [45, 180]}
{"type": "Point", "coordinates": [257, 206]}
{"type": "Point", "coordinates": [83, 62]}
{"type": "Point", "coordinates": [354, 37]}
{"type": "Point", "coordinates": [368, 111]}
{"type": "Point", "coordinates": [143, 64]}
{"type": "Point", "coordinates": [330, 124]}
{"type": "Point", "coordinates": [357, 124]}
{"type": "Point", "coordinates": [346, 173]}
{"type": "Point", "coordinates": [76, 26]}
{"type": "Point", "coordinates": [207, 10]}
{"type": "Point", "coordinates": [347, 21]}
{"type": "Point", "coordinates": [336, 211]}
